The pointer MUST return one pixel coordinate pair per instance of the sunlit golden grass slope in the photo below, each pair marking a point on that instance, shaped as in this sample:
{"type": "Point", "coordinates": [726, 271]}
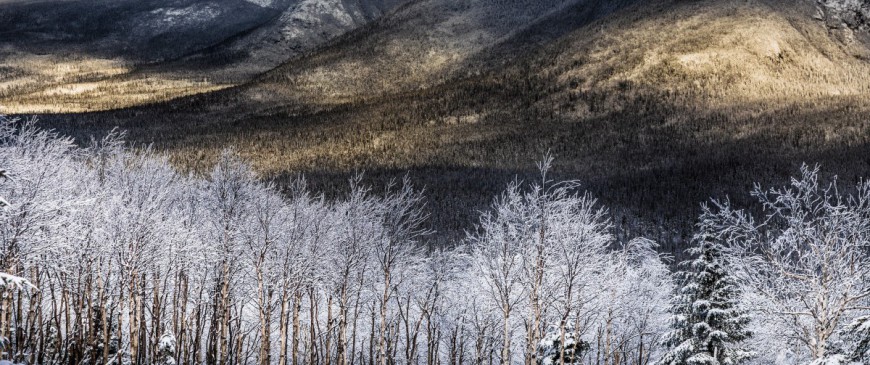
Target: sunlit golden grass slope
{"type": "Point", "coordinates": [491, 84]}
{"type": "Point", "coordinates": [714, 54]}
{"type": "Point", "coordinates": [31, 83]}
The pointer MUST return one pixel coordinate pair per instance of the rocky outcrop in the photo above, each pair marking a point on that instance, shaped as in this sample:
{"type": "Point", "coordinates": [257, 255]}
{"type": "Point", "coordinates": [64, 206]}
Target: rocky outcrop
{"type": "Point", "coordinates": [854, 14]}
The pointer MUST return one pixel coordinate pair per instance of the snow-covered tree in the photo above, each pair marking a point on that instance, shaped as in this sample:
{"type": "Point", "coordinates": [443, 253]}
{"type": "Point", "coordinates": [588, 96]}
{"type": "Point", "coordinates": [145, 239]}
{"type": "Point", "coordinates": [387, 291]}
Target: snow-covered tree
{"type": "Point", "coordinates": [854, 345]}
{"type": "Point", "coordinates": [397, 251]}
{"type": "Point", "coordinates": [3, 176]}
{"type": "Point", "coordinates": [805, 264]}
{"type": "Point", "coordinates": [227, 197]}
{"type": "Point", "coordinates": [166, 350]}
{"type": "Point", "coordinates": [629, 313]}
{"type": "Point", "coordinates": [561, 346]}
{"type": "Point", "coordinates": [348, 260]}
{"type": "Point", "coordinates": [709, 326]}
{"type": "Point", "coordinates": [569, 251]}
{"type": "Point", "coordinates": [498, 258]}
{"type": "Point", "coordinates": [11, 282]}
{"type": "Point", "coordinates": [857, 339]}
{"type": "Point", "coordinates": [125, 249]}
{"type": "Point", "coordinates": [544, 253]}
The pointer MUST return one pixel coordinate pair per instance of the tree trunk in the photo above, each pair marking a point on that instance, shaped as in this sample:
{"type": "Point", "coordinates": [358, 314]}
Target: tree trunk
{"type": "Point", "coordinates": [382, 339]}
{"type": "Point", "coordinates": [283, 326]}
{"type": "Point", "coordinates": [265, 296]}
{"type": "Point", "coordinates": [506, 343]}
{"type": "Point", "coordinates": [327, 350]}
{"type": "Point", "coordinates": [223, 339]}
{"type": "Point", "coordinates": [133, 318]}
{"type": "Point", "coordinates": [312, 355]}
{"type": "Point", "coordinates": [342, 327]}
{"type": "Point", "coordinates": [297, 306]}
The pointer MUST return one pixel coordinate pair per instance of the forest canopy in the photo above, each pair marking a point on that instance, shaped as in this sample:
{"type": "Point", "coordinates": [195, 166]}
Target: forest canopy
{"type": "Point", "coordinates": [128, 261]}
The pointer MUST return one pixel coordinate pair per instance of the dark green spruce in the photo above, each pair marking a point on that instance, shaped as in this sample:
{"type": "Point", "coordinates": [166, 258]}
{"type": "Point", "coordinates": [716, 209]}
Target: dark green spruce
{"type": "Point", "coordinates": [708, 325]}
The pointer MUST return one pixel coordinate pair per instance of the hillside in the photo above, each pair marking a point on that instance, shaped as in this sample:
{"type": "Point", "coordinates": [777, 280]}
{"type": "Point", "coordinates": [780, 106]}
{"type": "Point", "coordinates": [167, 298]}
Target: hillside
{"type": "Point", "coordinates": [424, 44]}
{"type": "Point", "coordinates": [301, 27]}
{"type": "Point", "coordinates": [75, 56]}
{"type": "Point", "coordinates": [654, 106]}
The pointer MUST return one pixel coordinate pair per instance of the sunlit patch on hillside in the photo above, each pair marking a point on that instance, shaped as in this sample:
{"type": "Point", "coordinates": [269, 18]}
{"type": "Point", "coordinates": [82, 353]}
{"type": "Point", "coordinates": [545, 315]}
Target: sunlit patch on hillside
{"type": "Point", "coordinates": [32, 83]}
{"type": "Point", "coordinates": [717, 56]}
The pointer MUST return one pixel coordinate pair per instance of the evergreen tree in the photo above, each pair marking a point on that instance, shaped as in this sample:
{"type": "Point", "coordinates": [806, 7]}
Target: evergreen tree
{"type": "Point", "coordinates": [3, 202]}
{"type": "Point", "coordinates": [853, 347]}
{"type": "Point", "coordinates": [857, 334]}
{"type": "Point", "coordinates": [708, 325]}
{"type": "Point", "coordinates": [552, 351]}
{"type": "Point", "coordinates": [166, 350]}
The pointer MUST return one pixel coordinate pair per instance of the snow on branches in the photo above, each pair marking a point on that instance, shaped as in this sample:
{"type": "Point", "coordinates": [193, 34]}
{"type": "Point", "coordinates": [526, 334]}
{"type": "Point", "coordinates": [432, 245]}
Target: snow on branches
{"type": "Point", "coordinates": [12, 282]}
{"type": "Point", "coordinates": [138, 263]}
{"type": "Point", "coordinates": [804, 265]}
{"type": "Point", "coordinates": [708, 324]}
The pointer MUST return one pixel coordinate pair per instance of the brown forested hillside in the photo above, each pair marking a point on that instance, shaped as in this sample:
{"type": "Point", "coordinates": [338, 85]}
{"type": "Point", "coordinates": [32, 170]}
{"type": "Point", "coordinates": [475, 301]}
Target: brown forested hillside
{"type": "Point", "coordinates": [654, 106]}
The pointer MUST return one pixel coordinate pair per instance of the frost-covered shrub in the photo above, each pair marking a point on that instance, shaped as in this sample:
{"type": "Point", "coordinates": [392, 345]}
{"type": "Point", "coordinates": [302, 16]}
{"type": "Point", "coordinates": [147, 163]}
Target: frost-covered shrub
{"type": "Point", "coordinates": [551, 348]}
{"type": "Point", "coordinates": [836, 359]}
{"type": "Point", "coordinates": [166, 350]}
{"type": "Point", "coordinates": [854, 347]}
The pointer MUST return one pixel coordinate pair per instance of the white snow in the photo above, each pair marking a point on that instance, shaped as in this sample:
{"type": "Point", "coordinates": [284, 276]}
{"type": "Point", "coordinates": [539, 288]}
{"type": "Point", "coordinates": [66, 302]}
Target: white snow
{"type": "Point", "coordinates": [15, 282]}
{"type": "Point", "coordinates": [192, 13]}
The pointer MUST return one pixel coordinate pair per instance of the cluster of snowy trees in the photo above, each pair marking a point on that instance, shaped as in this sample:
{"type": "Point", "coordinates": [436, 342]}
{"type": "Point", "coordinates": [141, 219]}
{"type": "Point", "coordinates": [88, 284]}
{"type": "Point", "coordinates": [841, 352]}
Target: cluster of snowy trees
{"type": "Point", "coordinates": [133, 262]}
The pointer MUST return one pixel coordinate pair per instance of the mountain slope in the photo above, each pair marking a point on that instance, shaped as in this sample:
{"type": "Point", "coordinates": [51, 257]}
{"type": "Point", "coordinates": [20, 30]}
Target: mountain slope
{"type": "Point", "coordinates": [728, 55]}
{"type": "Point", "coordinates": [73, 56]}
{"type": "Point", "coordinates": [430, 42]}
{"type": "Point", "coordinates": [421, 45]}
{"type": "Point", "coordinates": [300, 27]}
{"type": "Point", "coordinates": [655, 106]}
{"type": "Point", "coordinates": [135, 30]}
